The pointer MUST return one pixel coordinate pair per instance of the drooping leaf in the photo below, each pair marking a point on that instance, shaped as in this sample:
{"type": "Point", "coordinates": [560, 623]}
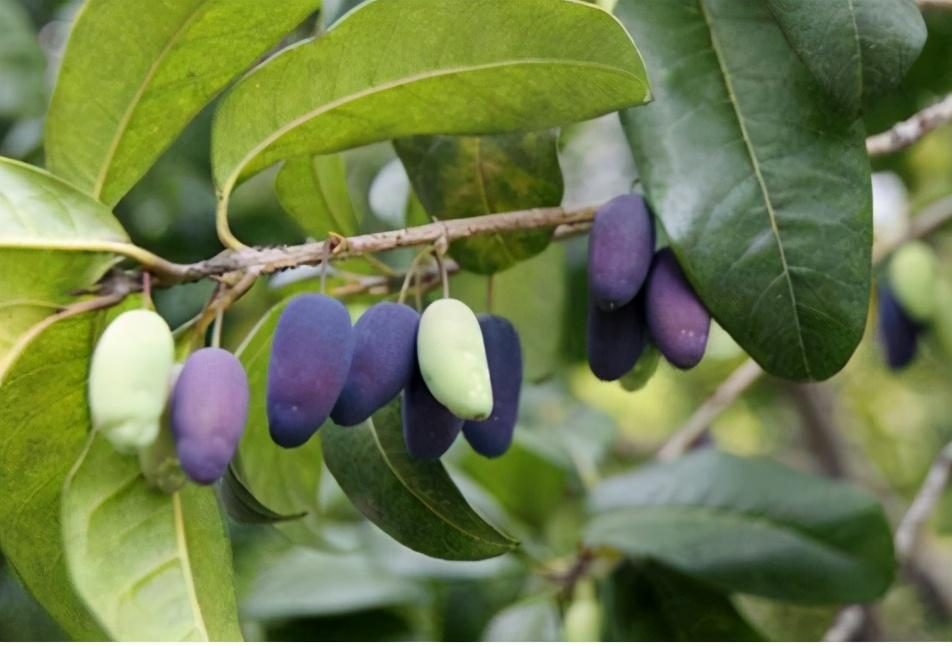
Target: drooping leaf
{"type": "Point", "coordinates": [762, 185]}
{"type": "Point", "coordinates": [313, 190]}
{"type": "Point", "coordinates": [150, 566]}
{"type": "Point", "coordinates": [421, 67]}
{"type": "Point", "coordinates": [857, 49]}
{"type": "Point", "coordinates": [459, 177]}
{"type": "Point", "coordinates": [749, 525]}
{"type": "Point", "coordinates": [53, 240]}
{"type": "Point", "coordinates": [532, 292]}
{"type": "Point", "coordinates": [649, 602]}
{"type": "Point", "coordinates": [134, 74]}
{"type": "Point", "coordinates": [21, 64]}
{"type": "Point", "coordinates": [414, 501]}
{"type": "Point", "coordinates": [242, 505]}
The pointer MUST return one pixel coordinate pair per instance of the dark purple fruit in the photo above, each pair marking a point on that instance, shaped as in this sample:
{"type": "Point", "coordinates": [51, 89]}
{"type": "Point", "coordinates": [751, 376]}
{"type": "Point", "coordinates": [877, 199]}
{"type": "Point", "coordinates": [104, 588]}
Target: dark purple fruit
{"type": "Point", "coordinates": [208, 413]}
{"type": "Point", "coordinates": [677, 319]}
{"type": "Point", "coordinates": [310, 358]}
{"type": "Point", "coordinates": [429, 428]}
{"type": "Point", "coordinates": [898, 333]}
{"type": "Point", "coordinates": [620, 246]}
{"type": "Point", "coordinates": [615, 339]}
{"type": "Point", "coordinates": [384, 356]}
{"type": "Point", "coordinates": [491, 437]}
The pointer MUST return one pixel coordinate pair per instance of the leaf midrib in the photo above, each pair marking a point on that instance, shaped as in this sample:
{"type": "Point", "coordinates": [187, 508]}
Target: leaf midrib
{"type": "Point", "coordinates": [755, 163]}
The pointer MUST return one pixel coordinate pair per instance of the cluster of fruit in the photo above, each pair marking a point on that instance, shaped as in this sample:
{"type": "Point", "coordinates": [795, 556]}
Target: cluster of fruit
{"type": "Point", "coordinates": [913, 299]}
{"type": "Point", "coordinates": [457, 373]}
{"type": "Point", "coordinates": [638, 297]}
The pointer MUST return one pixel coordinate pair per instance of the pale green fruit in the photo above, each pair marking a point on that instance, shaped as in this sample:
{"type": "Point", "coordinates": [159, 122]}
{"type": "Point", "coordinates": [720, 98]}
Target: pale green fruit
{"type": "Point", "coordinates": [129, 379]}
{"type": "Point", "coordinates": [159, 461]}
{"type": "Point", "coordinates": [639, 376]}
{"type": "Point", "coordinates": [452, 359]}
{"type": "Point", "coordinates": [912, 276]}
{"type": "Point", "coordinates": [583, 618]}
{"type": "Point", "coordinates": [942, 317]}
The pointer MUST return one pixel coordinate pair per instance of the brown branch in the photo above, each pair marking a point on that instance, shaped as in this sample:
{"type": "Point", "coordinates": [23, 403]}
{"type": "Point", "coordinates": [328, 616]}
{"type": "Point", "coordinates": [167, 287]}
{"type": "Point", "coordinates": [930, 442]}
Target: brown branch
{"type": "Point", "coordinates": [905, 133]}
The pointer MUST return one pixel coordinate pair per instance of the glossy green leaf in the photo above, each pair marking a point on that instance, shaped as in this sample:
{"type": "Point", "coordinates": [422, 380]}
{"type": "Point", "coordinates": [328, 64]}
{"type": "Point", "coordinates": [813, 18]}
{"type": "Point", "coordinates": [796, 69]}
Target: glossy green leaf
{"type": "Point", "coordinates": [762, 185]}
{"type": "Point", "coordinates": [150, 566]}
{"type": "Point", "coordinates": [414, 501]}
{"type": "Point", "coordinates": [857, 49]}
{"type": "Point", "coordinates": [243, 506]}
{"type": "Point", "coordinates": [460, 177]}
{"type": "Point", "coordinates": [422, 67]}
{"type": "Point", "coordinates": [749, 525]}
{"type": "Point", "coordinates": [649, 602]}
{"type": "Point", "coordinates": [134, 74]}
{"type": "Point", "coordinates": [533, 291]}
{"type": "Point", "coordinates": [53, 240]}
{"type": "Point", "coordinates": [43, 426]}
{"type": "Point", "coordinates": [22, 64]}
{"type": "Point", "coordinates": [313, 190]}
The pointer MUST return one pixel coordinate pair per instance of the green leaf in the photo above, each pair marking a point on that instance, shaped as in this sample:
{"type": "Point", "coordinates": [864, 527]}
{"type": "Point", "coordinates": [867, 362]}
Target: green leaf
{"type": "Point", "coordinates": [414, 501]}
{"type": "Point", "coordinates": [150, 566]}
{"type": "Point", "coordinates": [460, 177]}
{"type": "Point", "coordinates": [532, 292]}
{"type": "Point", "coordinates": [421, 67]}
{"type": "Point", "coordinates": [22, 64]}
{"type": "Point", "coordinates": [857, 50]}
{"type": "Point", "coordinates": [649, 602]}
{"type": "Point", "coordinates": [749, 525]}
{"type": "Point", "coordinates": [53, 240]}
{"type": "Point", "coordinates": [135, 74]}
{"type": "Point", "coordinates": [313, 190]}
{"type": "Point", "coordinates": [43, 426]}
{"type": "Point", "coordinates": [242, 505]}
{"type": "Point", "coordinates": [762, 186]}
{"type": "Point", "coordinates": [284, 480]}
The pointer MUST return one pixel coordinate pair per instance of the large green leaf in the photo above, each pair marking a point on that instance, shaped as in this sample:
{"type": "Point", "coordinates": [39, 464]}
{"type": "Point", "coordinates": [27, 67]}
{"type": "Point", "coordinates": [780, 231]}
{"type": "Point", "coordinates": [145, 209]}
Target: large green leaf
{"type": "Point", "coordinates": [43, 427]}
{"type": "Point", "coordinates": [648, 602]}
{"type": "Point", "coordinates": [749, 525]}
{"type": "Point", "coordinates": [134, 74]}
{"type": "Point", "coordinates": [423, 67]}
{"type": "Point", "coordinates": [21, 64]}
{"type": "Point", "coordinates": [53, 240]}
{"type": "Point", "coordinates": [857, 49]}
{"type": "Point", "coordinates": [459, 177]}
{"type": "Point", "coordinates": [313, 190]}
{"type": "Point", "coordinates": [414, 501]}
{"type": "Point", "coordinates": [151, 566]}
{"type": "Point", "coordinates": [762, 185]}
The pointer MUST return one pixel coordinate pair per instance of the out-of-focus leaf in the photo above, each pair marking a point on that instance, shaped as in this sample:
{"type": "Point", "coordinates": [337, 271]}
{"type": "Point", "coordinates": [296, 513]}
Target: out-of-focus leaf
{"type": "Point", "coordinates": [460, 177]}
{"type": "Point", "coordinates": [749, 525]}
{"type": "Point", "coordinates": [532, 620]}
{"type": "Point", "coordinates": [761, 183]}
{"type": "Point", "coordinates": [313, 190]}
{"type": "Point", "coordinates": [414, 501]}
{"type": "Point", "coordinates": [21, 64]}
{"type": "Point", "coordinates": [134, 74]}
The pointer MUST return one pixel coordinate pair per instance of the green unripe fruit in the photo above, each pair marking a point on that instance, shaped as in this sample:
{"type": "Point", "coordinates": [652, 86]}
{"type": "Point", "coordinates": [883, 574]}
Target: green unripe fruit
{"type": "Point", "coordinates": [942, 317]}
{"type": "Point", "coordinates": [583, 618]}
{"type": "Point", "coordinates": [638, 377]}
{"type": "Point", "coordinates": [129, 379]}
{"type": "Point", "coordinates": [159, 461]}
{"type": "Point", "coordinates": [452, 359]}
{"type": "Point", "coordinates": [912, 276]}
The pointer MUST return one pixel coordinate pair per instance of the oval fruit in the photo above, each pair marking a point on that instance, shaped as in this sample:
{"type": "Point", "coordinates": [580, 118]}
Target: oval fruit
{"type": "Point", "coordinates": [209, 412]}
{"type": "Point", "coordinates": [429, 428]}
{"type": "Point", "coordinates": [129, 379]}
{"type": "Point", "coordinates": [492, 436]}
{"type": "Point", "coordinates": [620, 247]}
{"type": "Point", "coordinates": [615, 339]}
{"type": "Point", "coordinates": [159, 461]}
{"type": "Point", "coordinates": [383, 362]}
{"type": "Point", "coordinates": [452, 359]}
{"type": "Point", "coordinates": [310, 357]}
{"type": "Point", "coordinates": [677, 319]}
{"type": "Point", "coordinates": [897, 331]}
{"type": "Point", "coordinates": [912, 277]}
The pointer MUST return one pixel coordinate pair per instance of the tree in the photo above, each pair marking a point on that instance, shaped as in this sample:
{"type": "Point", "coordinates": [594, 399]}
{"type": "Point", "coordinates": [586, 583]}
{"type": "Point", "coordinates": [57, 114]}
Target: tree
{"type": "Point", "coordinates": [412, 151]}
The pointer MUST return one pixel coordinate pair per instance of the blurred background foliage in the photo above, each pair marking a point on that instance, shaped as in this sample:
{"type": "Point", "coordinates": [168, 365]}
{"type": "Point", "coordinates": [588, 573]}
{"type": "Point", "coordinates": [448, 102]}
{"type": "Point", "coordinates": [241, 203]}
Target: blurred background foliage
{"type": "Point", "coordinates": [877, 428]}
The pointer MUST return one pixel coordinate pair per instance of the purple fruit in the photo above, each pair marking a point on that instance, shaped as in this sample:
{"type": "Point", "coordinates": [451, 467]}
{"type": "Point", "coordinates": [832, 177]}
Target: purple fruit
{"type": "Point", "coordinates": [615, 339]}
{"type": "Point", "coordinates": [677, 319]}
{"type": "Point", "coordinates": [429, 428]}
{"type": "Point", "coordinates": [620, 245]}
{"type": "Point", "coordinates": [310, 358]}
{"type": "Point", "coordinates": [898, 333]}
{"type": "Point", "coordinates": [493, 436]}
{"type": "Point", "coordinates": [384, 357]}
{"type": "Point", "coordinates": [208, 413]}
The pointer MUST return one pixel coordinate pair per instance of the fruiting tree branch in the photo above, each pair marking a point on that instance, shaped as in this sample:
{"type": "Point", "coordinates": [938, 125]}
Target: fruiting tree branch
{"type": "Point", "coordinates": [905, 133]}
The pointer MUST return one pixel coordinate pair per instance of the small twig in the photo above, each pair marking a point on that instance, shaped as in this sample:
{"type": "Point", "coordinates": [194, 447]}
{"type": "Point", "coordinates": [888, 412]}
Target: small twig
{"type": "Point", "coordinates": [905, 133]}
{"type": "Point", "coordinates": [221, 301]}
{"type": "Point", "coordinates": [935, 4]}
